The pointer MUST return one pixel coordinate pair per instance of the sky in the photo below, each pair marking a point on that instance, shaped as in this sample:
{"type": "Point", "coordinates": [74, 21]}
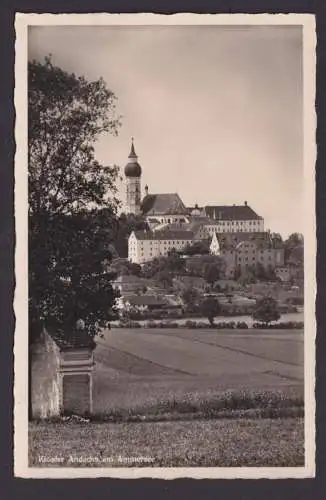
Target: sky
{"type": "Point", "coordinates": [215, 111]}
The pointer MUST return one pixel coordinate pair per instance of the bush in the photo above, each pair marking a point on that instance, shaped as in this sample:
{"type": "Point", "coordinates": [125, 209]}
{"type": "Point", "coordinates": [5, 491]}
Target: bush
{"type": "Point", "coordinates": [190, 324]}
{"type": "Point", "coordinates": [128, 324]}
{"type": "Point", "coordinates": [286, 325]}
{"type": "Point", "coordinates": [151, 324]}
{"type": "Point", "coordinates": [227, 325]}
{"type": "Point", "coordinates": [266, 310]}
{"type": "Point", "coordinates": [242, 325]}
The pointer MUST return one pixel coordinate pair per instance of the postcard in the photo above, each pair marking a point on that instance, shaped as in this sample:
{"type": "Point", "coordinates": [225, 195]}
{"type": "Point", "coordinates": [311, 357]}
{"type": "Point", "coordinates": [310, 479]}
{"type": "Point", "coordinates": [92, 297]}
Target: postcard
{"type": "Point", "coordinates": [165, 246]}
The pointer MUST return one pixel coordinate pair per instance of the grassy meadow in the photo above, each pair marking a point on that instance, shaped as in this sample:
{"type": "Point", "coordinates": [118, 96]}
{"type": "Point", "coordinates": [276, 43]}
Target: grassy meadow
{"type": "Point", "coordinates": [187, 398]}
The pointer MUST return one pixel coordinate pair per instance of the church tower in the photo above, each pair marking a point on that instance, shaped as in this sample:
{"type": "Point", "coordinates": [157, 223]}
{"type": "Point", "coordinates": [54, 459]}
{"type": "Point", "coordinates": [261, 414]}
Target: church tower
{"type": "Point", "coordinates": [133, 188]}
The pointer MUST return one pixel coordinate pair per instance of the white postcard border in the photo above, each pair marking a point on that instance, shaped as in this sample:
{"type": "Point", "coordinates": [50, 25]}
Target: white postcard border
{"type": "Point", "coordinates": [22, 22]}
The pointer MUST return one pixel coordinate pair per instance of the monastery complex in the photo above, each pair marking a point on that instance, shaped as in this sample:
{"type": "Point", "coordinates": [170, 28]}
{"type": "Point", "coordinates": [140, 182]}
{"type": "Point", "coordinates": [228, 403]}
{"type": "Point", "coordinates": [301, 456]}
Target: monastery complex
{"type": "Point", "coordinates": [235, 232]}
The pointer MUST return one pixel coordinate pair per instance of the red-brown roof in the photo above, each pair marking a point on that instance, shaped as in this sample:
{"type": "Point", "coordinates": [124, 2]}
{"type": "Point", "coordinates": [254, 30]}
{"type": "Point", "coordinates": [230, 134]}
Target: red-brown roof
{"type": "Point", "coordinates": [164, 235]}
{"type": "Point", "coordinates": [163, 204]}
{"type": "Point", "coordinates": [231, 212]}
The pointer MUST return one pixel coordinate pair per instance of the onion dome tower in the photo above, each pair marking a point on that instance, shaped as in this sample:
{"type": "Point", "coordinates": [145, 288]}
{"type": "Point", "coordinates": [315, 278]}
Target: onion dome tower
{"type": "Point", "coordinates": [133, 187]}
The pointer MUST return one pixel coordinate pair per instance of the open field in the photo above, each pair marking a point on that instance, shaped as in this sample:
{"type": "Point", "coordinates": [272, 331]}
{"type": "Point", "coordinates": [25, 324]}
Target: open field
{"type": "Point", "coordinates": [186, 398]}
{"type": "Point", "coordinates": [219, 443]}
{"type": "Point", "coordinates": [137, 367]}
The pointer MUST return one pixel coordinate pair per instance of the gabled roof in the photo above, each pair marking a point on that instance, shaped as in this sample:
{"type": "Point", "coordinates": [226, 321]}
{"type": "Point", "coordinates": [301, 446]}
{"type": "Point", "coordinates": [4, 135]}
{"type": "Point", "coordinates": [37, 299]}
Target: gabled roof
{"type": "Point", "coordinates": [164, 235]}
{"type": "Point", "coordinates": [193, 225]}
{"type": "Point", "coordinates": [231, 240]}
{"type": "Point", "coordinates": [163, 204]}
{"type": "Point", "coordinates": [231, 212]}
{"type": "Point", "coordinates": [146, 300]}
{"type": "Point", "coordinates": [202, 220]}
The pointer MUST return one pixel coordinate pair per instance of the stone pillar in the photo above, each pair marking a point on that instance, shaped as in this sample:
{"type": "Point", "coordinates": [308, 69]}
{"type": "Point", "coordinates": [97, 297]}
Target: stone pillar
{"type": "Point", "coordinates": [76, 367]}
{"type": "Point", "coordinates": [45, 380]}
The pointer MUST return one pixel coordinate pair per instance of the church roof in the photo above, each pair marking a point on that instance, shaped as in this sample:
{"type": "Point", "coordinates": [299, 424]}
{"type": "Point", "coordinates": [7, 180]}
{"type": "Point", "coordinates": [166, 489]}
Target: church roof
{"type": "Point", "coordinates": [163, 204]}
{"type": "Point", "coordinates": [132, 169]}
{"type": "Point", "coordinates": [132, 153]}
{"type": "Point", "coordinates": [231, 212]}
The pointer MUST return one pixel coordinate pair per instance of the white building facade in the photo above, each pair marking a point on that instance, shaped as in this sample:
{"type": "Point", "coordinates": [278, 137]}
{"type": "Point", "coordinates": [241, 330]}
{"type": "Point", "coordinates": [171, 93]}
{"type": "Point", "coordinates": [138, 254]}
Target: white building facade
{"type": "Point", "coordinates": [214, 246]}
{"type": "Point", "coordinates": [235, 219]}
{"type": "Point", "coordinates": [144, 246]}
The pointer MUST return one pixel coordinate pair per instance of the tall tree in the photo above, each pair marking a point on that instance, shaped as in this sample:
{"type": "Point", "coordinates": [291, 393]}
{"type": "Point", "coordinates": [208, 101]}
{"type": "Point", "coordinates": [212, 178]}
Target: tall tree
{"type": "Point", "coordinates": [266, 310]}
{"type": "Point", "coordinates": [172, 264]}
{"type": "Point", "coordinates": [197, 248]}
{"type": "Point", "coordinates": [66, 115]}
{"type": "Point", "coordinates": [124, 267]}
{"type": "Point", "coordinates": [127, 224]}
{"type": "Point", "coordinates": [72, 201]}
{"type": "Point", "coordinates": [210, 309]}
{"type": "Point", "coordinates": [293, 245]}
{"type": "Point", "coordinates": [190, 297]}
{"type": "Point", "coordinates": [211, 273]}
{"type": "Point", "coordinates": [276, 239]}
{"type": "Point", "coordinates": [196, 266]}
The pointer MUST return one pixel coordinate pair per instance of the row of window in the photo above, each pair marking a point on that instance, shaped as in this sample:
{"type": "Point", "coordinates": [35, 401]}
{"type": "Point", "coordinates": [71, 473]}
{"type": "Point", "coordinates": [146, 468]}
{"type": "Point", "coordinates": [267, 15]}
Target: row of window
{"type": "Point", "coordinates": [164, 242]}
{"type": "Point", "coordinates": [242, 259]}
{"type": "Point", "coordinates": [240, 222]}
{"type": "Point", "coordinates": [247, 265]}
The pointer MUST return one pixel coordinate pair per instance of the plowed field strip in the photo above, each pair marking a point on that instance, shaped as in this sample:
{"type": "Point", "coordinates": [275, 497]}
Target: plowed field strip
{"type": "Point", "coordinates": [237, 350]}
{"type": "Point", "coordinates": [135, 364]}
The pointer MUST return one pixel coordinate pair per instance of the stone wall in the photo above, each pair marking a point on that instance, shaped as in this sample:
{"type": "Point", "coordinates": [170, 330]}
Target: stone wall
{"type": "Point", "coordinates": [45, 378]}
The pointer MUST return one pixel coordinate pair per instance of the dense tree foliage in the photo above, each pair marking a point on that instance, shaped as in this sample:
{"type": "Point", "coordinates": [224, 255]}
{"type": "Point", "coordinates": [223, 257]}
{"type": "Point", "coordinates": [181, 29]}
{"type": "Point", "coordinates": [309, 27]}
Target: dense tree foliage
{"type": "Point", "coordinates": [197, 248]}
{"type": "Point", "coordinates": [127, 224]}
{"type": "Point", "coordinates": [123, 267]}
{"type": "Point", "coordinates": [293, 248]}
{"type": "Point", "coordinates": [190, 297]}
{"type": "Point", "coordinates": [210, 308]}
{"type": "Point", "coordinates": [69, 283]}
{"type": "Point", "coordinates": [211, 273]}
{"type": "Point", "coordinates": [72, 202]}
{"type": "Point", "coordinates": [66, 115]}
{"type": "Point", "coordinates": [197, 266]}
{"type": "Point", "coordinates": [172, 264]}
{"type": "Point", "coordinates": [254, 273]}
{"type": "Point", "coordinates": [266, 310]}
{"type": "Point", "coordinates": [276, 239]}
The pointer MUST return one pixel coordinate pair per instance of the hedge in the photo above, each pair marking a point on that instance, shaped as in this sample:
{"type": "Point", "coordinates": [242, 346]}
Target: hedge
{"type": "Point", "coordinates": [227, 325]}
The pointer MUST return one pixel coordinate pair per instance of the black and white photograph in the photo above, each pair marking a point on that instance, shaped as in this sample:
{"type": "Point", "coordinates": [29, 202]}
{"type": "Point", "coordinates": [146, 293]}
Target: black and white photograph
{"type": "Point", "coordinates": [165, 256]}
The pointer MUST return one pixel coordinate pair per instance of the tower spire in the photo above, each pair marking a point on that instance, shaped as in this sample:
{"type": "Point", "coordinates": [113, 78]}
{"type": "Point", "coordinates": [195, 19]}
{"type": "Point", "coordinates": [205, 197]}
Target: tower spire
{"type": "Point", "coordinates": [132, 150]}
{"type": "Point", "coordinates": [133, 182]}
